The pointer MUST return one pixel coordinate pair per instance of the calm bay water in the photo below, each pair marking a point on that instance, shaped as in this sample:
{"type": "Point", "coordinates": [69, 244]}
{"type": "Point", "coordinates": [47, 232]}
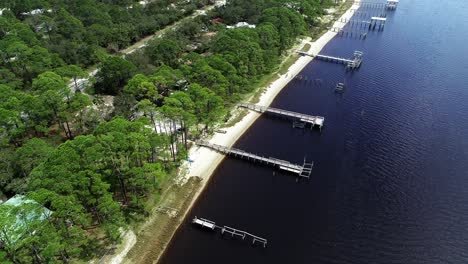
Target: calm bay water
{"type": "Point", "coordinates": [390, 183]}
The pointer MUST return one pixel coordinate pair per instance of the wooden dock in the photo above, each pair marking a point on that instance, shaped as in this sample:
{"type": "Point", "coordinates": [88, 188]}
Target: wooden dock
{"type": "Point", "coordinates": [302, 171]}
{"type": "Point", "coordinates": [378, 22]}
{"type": "Point", "coordinates": [339, 88]}
{"type": "Point", "coordinates": [204, 223]}
{"type": "Point", "coordinates": [309, 119]}
{"type": "Point", "coordinates": [370, 4]}
{"type": "Point", "coordinates": [353, 63]}
{"type": "Point", "coordinates": [227, 229]}
{"type": "Point", "coordinates": [392, 4]}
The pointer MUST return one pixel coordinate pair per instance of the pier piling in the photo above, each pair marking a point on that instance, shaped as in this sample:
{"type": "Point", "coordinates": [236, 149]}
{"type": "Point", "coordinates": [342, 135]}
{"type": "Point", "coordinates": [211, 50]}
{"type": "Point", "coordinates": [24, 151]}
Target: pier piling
{"type": "Point", "coordinates": [227, 229]}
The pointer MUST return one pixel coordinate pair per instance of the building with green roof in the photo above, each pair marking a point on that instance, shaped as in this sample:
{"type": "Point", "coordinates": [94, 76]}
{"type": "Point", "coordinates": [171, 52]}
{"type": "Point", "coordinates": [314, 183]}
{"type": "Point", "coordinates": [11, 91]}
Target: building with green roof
{"type": "Point", "coordinates": [19, 217]}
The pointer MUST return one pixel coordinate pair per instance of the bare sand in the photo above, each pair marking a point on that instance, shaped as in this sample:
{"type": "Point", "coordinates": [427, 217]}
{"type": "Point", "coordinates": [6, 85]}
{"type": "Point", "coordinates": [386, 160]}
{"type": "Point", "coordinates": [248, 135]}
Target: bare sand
{"type": "Point", "coordinates": [203, 162]}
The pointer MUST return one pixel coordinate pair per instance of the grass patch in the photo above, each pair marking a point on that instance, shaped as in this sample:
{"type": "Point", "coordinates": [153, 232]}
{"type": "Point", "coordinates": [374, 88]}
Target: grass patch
{"type": "Point", "coordinates": [318, 31]}
{"type": "Point", "coordinates": [288, 63]}
{"type": "Point", "coordinates": [262, 85]}
{"type": "Point", "coordinates": [156, 233]}
{"type": "Point", "coordinates": [322, 27]}
{"type": "Point", "coordinates": [237, 118]}
{"type": "Point", "coordinates": [306, 47]}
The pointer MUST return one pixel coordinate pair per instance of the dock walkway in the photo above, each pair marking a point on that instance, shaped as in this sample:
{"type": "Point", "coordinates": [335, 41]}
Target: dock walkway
{"type": "Point", "coordinates": [303, 171]}
{"type": "Point", "coordinates": [353, 63]}
{"type": "Point", "coordinates": [312, 120]}
{"type": "Point", "coordinates": [227, 229]}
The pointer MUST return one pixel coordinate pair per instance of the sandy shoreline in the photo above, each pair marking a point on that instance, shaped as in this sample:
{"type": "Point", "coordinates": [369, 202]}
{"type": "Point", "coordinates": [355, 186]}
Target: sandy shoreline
{"type": "Point", "coordinates": [203, 161]}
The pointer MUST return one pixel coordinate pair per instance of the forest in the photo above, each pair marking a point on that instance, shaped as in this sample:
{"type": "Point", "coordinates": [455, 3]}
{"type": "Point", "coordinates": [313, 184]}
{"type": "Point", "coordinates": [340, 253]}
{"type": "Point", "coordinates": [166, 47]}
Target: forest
{"type": "Point", "coordinates": [94, 148]}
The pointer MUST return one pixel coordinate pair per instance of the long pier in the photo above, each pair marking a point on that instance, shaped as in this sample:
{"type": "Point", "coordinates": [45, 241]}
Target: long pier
{"type": "Point", "coordinates": [227, 229]}
{"type": "Point", "coordinates": [353, 63]}
{"type": "Point", "coordinates": [390, 4]}
{"type": "Point", "coordinates": [303, 171]}
{"type": "Point", "coordinates": [309, 119]}
{"type": "Point", "coordinates": [370, 4]}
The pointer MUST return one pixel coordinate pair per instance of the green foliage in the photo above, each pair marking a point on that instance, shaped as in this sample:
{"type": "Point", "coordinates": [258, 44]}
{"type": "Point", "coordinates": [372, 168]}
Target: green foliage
{"type": "Point", "coordinates": [26, 158]}
{"type": "Point", "coordinates": [25, 233]}
{"type": "Point", "coordinates": [113, 75]}
{"type": "Point", "coordinates": [164, 51]}
{"type": "Point", "coordinates": [11, 120]}
{"type": "Point", "coordinates": [208, 107]}
{"type": "Point", "coordinates": [142, 87]}
{"type": "Point", "coordinates": [23, 57]}
{"type": "Point", "coordinates": [290, 24]}
{"type": "Point", "coordinates": [73, 72]}
{"type": "Point", "coordinates": [176, 88]}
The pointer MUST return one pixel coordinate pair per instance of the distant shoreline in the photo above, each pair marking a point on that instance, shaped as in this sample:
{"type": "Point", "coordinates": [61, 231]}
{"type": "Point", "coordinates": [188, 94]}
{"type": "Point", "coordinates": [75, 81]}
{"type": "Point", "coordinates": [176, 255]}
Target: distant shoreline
{"type": "Point", "coordinates": [204, 161]}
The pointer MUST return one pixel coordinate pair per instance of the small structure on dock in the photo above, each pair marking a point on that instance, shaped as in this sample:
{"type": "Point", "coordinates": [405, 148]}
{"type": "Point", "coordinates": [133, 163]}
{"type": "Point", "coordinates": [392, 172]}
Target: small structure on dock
{"type": "Point", "coordinates": [204, 223]}
{"type": "Point", "coordinates": [309, 119]}
{"type": "Point", "coordinates": [339, 88]}
{"type": "Point", "coordinates": [377, 22]}
{"type": "Point", "coordinates": [392, 4]}
{"type": "Point", "coordinates": [227, 229]}
{"type": "Point", "coordinates": [356, 61]}
{"type": "Point", "coordinates": [302, 171]}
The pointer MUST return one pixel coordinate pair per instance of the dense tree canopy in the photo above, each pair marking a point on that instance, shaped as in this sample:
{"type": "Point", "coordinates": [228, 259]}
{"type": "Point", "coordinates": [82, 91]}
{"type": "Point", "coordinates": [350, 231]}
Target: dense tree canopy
{"type": "Point", "coordinates": [113, 75]}
{"type": "Point", "coordinates": [93, 148]}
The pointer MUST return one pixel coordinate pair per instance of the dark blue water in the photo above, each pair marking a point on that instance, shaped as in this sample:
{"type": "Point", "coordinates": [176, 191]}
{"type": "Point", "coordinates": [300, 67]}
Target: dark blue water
{"type": "Point", "coordinates": [390, 183]}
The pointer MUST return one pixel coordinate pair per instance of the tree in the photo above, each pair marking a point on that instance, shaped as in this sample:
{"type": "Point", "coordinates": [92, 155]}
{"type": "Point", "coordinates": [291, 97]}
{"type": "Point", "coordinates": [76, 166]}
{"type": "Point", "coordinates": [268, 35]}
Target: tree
{"type": "Point", "coordinates": [289, 23]}
{"type": "Point", "coordinates": [75, 170]}
{"type": "Point", "coordinates": [12, 123]}
{"type": "Point", "coordinates": [54, 96]}
{"type": "Point", "coordinates": [202, 73]}
{"type": "Point", "coordinates": [113, 75]}
{"type": "Point", "coordinates": [26, 158]}
{"type": "Point", "coordinates": [142, 87]}
{"type": "Point", "coordinates": [179, 108]}
{"type": "Point", "coordinates": [80, 113]}
{"type": "Point", "coordinates": [269, 41]}
{"type": "Point", "coordinates": [20, 227]}
{"type": "Point", "coordinates": [208, 106]}
{"type": "Point", "coordinates": [27, 62]}
{"type": "Point", "coordinates": [72, 71]}
{"type": "Point", "coordinates": [164, 51]}
{"type": "Point", "coordinates": [64, 236]}
{"type": "Point", "coordinates": [68, 26]}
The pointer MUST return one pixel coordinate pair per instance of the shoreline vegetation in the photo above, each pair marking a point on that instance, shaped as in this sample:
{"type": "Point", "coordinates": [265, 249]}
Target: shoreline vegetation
{"type": "Point", "coordinates": [111, 153]}
{"type": "Point", "coordinates": [155, 235]}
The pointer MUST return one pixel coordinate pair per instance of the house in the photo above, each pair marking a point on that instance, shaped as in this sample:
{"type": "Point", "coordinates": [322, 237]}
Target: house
{"type": "Point", "coordinates": [21, 212]}
{"type": "Point", "coordinates": [220, 3]}
{"type": "Point", "coordinates": [217, 20]}
{"type": "Point", "coordinates": [36, 12]}
{"type": "Point", "coordinates": [241, 24]}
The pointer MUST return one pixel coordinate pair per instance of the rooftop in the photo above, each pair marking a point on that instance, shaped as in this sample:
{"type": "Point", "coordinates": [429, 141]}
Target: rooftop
{"type": "Point", "coordinates": [20, 217]}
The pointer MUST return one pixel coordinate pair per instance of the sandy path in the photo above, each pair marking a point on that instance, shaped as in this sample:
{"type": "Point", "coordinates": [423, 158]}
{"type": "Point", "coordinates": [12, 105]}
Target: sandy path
{"type": "Point", "coordinates": [129, 241]}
